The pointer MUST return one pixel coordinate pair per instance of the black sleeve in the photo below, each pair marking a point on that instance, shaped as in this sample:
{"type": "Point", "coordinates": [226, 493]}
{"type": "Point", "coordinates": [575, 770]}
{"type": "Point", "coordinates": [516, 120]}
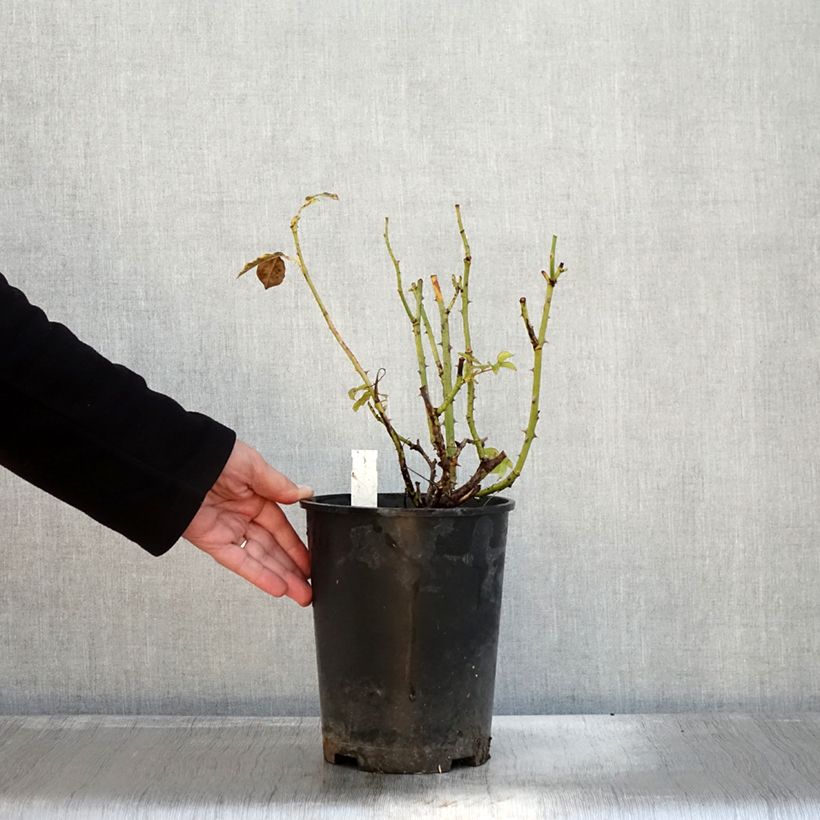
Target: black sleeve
{"type": "Point", "coordinates": [93, 434]}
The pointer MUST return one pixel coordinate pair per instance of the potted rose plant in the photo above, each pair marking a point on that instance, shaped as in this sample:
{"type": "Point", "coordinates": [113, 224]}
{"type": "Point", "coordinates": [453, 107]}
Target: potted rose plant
{"type": "Point", "coordinates": [407, 594]}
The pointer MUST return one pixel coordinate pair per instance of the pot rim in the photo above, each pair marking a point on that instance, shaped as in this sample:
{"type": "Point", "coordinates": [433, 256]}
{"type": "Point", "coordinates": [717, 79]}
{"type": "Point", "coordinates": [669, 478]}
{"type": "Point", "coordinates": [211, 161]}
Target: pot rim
{"type": "Point", "coordinates": [340, 503]}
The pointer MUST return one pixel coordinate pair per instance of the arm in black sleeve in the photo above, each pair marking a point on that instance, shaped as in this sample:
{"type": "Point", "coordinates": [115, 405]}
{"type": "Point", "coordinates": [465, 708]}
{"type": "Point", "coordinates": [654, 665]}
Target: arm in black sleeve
{"type": "Point", "coordinates": [93, 434]}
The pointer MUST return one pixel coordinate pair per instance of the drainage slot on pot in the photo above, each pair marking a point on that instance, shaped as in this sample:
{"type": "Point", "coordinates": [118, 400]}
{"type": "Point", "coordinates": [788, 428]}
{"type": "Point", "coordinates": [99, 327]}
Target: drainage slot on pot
{"type": "Point", "coordinates": [464, 761]}
{"type": "Point", "coordinates": [345, 760]}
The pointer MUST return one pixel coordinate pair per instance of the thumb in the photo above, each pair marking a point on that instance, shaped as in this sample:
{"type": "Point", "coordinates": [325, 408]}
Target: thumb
{"type": "Point", "coordinates": [275, 486]}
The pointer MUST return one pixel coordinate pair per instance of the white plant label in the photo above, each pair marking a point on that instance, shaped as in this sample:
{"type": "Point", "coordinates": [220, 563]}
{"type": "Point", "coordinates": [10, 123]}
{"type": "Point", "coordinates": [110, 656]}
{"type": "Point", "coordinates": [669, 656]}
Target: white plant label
{"type": "Point", "coordinates": [364, 479]}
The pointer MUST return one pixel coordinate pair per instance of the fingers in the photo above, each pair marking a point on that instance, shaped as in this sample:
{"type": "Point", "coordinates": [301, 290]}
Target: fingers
{"type": "Point", "coordinates": [270, 546]}
{"type": "Point", "coordinates": [274, 558]}
{"type": "Point", "coordinates": [277, 562]}
{"type": "Point", "coordinates": [272, 519]}
{"type": "Point", "coordinates": [275, 486]}
{"type": "Point", "coordinates": [247, 566]}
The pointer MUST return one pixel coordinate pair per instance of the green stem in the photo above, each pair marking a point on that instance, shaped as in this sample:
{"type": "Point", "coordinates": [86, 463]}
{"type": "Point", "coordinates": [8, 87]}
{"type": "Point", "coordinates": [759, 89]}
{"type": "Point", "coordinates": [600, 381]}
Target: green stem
{"type": "Point", "coordinates": [447, 370]}
{"type": "Point", "coordinates": [415, 319]}
{"type": "Point", "coordinates": [526, 317]}
{"type": "Point", "coordinates": [449, 398]}
{"type": "Point", "coordinates": [417, 288]}
{"type": "Point", "coordinates": [468, 344]}
{"type": "Point", "coordinates": [377, 403]}
{"type": "Point", "coordinates": [333, 329]}
{"type": "Point", "coordinates": [398, 273]}
{"type": "Point", "coordinates": [432, 340]}
{"type": "Point", "coordinates": [538, 348]}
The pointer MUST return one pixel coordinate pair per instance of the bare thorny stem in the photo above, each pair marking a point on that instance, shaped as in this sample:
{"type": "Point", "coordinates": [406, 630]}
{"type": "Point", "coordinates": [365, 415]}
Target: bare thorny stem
{"type": "Point", "coordinates": [447, 367]}
{"type": "Point", "coordinates": [538, 347]}
{"type": "Point", "coordinates": [442, 491]}
{"type": "Point", "coordinates": [447, 449]}
{"type": "Point", "coordinates": [431, 339]}
{"type": "Point", "coordinates": [378, 405]}
{"type": "Point", "coordinates": [415, 319]}
{"type": "Point", "coordinates": [468, 343]}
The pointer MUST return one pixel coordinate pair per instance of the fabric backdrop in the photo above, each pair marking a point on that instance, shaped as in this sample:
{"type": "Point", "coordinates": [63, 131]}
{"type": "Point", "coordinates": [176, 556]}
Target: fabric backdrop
{"type": "Point", "coordinates": [663, 554]}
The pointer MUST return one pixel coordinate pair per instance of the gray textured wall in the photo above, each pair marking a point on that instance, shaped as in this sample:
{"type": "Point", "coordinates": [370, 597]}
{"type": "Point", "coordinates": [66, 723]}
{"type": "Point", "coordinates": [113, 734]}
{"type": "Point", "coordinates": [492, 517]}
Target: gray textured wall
{"type": "Point", "coordinates": [664, 552]}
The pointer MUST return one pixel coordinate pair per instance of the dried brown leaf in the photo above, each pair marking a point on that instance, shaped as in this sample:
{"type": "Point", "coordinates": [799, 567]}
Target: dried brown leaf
{"type": "Point", "coordinates": [271, 272]}
{"type": "Point", "coordinates": [270, 268]}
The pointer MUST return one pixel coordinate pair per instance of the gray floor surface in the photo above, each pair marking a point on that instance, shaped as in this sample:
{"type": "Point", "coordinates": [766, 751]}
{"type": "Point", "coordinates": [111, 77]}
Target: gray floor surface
{"type": "Point", "coordinates": [686, 765]}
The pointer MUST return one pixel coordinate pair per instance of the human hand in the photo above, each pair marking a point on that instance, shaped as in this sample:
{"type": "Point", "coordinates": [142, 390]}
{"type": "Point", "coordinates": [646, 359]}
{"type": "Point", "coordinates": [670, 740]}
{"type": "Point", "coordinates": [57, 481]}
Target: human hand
{"type": "Point", "coordinates": [244, 504]}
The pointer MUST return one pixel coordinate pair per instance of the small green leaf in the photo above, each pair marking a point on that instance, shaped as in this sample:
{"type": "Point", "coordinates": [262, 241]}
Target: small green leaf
{"type": "Point", "coordinates": [503, 467]}
{"type": "Point", "coordinates": [354, 390]}
{"type": "Point", "coordinates": [500, 469]}
{"type": "Point", "coordinates": [469, 357]}
{"type": "Point", "coordinates": [361, 401]}
{"type": "Point", "coordinates": [502, 362]}
{"type": "Point", "coordinates": [366, 395]}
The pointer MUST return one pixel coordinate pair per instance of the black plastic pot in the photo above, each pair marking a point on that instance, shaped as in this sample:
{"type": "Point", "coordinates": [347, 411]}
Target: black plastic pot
{"type": "Point", "coordinates": [406, 606]}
